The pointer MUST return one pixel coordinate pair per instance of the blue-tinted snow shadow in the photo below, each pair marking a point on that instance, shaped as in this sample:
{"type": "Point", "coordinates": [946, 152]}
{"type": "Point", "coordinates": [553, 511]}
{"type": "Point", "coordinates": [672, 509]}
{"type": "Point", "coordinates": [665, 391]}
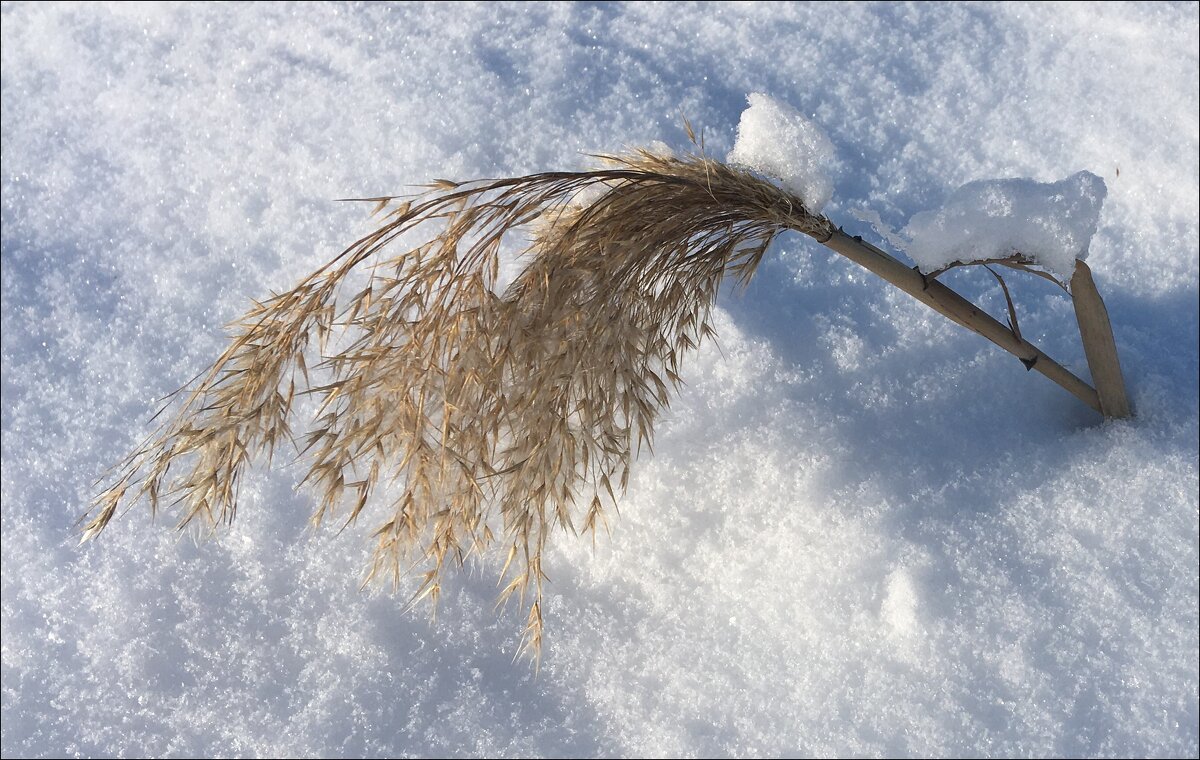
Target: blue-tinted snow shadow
{"type": "Point", "coordinates": [950, 466]}
{"type": "Point", "coordinates": [995, 409]}
{"type": "Point", "coordinates": [181, 601]}
{"type": "Point", "coordinates": [401, 682]}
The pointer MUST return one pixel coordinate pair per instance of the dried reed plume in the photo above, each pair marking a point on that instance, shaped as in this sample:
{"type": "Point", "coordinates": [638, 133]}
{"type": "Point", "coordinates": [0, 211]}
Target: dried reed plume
{"type": "Point", "coordinates": [496, 417]}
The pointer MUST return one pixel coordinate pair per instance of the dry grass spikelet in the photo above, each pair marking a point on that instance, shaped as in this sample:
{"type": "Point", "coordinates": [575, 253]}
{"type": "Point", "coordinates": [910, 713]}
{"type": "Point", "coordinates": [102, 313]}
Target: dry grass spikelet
{"type": "Point", "coordinates": [498, 417]}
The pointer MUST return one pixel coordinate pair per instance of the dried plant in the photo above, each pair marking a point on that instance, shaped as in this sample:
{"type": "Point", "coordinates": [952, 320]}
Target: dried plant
{"type": "Point", "coordinates": [475, 417]}
{"type": "Point", "coordinates": [470, 417]}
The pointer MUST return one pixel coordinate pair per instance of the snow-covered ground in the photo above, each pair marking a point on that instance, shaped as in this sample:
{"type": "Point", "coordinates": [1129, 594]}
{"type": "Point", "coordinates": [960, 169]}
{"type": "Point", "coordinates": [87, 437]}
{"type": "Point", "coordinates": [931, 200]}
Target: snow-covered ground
{"type": "Point", "coordinates": [864, 530]}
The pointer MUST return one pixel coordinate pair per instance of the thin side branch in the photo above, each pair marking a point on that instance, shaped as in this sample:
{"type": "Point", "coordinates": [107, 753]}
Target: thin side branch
{"type": "Point", "coordinates": [945, 301]}
{"type": "Point", "coordinates": [1017, 261]}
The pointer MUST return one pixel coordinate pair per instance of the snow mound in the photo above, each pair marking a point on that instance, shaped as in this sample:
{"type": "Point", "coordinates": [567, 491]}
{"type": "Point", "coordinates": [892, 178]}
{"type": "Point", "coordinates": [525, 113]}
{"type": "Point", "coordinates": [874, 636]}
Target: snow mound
{"type": "Point", "coordinates": [862, 530]}
{"type": "Point", "coordinates": [776, 140]}
{"type": "Point", "coordinates": [1051, 223]}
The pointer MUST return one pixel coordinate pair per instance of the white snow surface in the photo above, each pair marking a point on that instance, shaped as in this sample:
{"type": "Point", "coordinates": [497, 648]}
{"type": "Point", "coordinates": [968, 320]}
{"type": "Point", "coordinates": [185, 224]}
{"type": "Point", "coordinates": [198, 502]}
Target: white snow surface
{"type": "Point", "coordinates": [776, 140]}
{"type": "Point", "coordinates": [863, 531]}
{"type": "Point", "coordinates": [1051, 223]}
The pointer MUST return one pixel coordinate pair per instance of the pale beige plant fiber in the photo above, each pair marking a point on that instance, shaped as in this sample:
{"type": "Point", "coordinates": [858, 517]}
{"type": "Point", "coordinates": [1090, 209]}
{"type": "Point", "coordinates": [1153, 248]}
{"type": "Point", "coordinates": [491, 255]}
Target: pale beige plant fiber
{"type": "Point", "coordinates": [457, 417]}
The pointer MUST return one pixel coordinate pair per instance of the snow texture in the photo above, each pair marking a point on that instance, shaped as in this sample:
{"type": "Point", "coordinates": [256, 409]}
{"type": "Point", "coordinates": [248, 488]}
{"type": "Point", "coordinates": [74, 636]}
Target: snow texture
{"type": "Point", "coordinates": [776, 140]}
{"type": "Point", "coordinates": [1050, 223]}
{"type": "Point", "coordinates": [864, 531]}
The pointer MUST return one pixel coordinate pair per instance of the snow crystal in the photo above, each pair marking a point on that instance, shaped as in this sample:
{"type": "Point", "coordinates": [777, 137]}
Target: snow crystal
{"type": "Point", "coordinates": [1051, 223]}
{"type": "Point", "coordinates": [776, 140]}
{"type": "Point", "coordinates": [851, 539]}
{"type": "Point", "coordinates": [900, 604]}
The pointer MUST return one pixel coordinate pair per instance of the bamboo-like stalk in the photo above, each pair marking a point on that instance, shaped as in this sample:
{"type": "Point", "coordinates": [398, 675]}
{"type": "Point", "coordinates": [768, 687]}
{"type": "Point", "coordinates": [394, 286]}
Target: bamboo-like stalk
{"type": "Point", "coordinates": [1098, 344]}
{"type": "Point", "coordinates": [503, 415]}
{"type": "Point", "coordinates": [950, 304]}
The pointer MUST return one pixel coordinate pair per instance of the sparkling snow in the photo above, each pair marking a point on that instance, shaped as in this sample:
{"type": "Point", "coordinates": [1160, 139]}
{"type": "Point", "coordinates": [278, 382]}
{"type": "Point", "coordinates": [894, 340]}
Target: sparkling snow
{"type": "Point", "coordinates": [1051, 223]}
{"type": "Point", "coordinates": [864, 530]}
{"type": "Point", "coordinates": [776, 140]}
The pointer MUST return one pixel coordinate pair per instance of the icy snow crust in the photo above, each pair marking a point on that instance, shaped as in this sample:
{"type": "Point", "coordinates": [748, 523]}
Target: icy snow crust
{"type": "Point", "coordinates": [776, 140]}
{"type": "Point", "coordinates": [864, 530]}
{"type": "Point", "coordinates": [1050, 223]}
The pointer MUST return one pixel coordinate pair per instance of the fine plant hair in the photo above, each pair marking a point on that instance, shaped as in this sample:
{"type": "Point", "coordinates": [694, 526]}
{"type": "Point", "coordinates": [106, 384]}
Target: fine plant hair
{"type": "Point", "coordinates": [456, 416]}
